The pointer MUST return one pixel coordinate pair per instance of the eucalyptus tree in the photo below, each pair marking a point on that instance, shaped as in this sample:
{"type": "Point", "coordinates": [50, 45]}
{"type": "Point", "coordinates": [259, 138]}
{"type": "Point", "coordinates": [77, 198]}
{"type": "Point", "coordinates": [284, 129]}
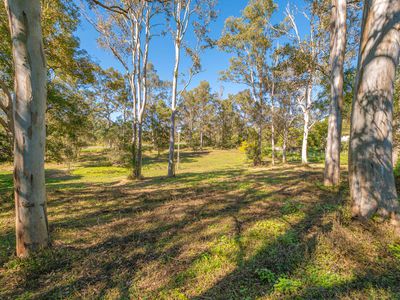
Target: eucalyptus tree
{"type": "Point", "coordinates": [197, 111]}
{"type": "Point", "coordinates": [287, 113]}
{"type": "Point", "coordinates": [29, 125]}
{"type": "Point", "coordinates": [305, 52]}
{"type": "Point", "coordinates": [337, 57]}
{"type": "Point", "coordinates": [372, 185]}
{"type": "Point", "coordinates": [249, 38]}
{"type": "Point", "coordinates": [67, 65]}
{"type": "Point", "coordinates": [126, 31]}
{"type": "Point", "coordinates": [184, 15]}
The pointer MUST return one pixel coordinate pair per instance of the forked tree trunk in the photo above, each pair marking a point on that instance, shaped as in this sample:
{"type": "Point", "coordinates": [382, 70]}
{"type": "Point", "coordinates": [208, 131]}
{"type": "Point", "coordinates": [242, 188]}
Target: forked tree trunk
{"type": "Point", "coordinates": [372, 185]}
{"type": "Point", "coordinates": [29, 126]}
{"type": "Point", "coordinates": [338, 45]}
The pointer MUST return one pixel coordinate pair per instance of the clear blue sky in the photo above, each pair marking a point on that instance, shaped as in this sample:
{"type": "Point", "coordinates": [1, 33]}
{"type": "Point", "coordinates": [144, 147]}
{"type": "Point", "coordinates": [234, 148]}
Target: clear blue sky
{"type": "Point", "coordinates": [162, 53]}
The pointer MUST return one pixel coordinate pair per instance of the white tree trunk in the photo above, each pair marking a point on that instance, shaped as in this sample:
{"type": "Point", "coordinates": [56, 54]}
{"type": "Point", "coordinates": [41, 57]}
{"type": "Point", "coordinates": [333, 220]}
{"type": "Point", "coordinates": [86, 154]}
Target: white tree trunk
{"type": "Point", "coordinates": [29, 126]}
{"type": "Point", "coordinates": [142, 86]}
{"type": "Point", "coordinates": [372, 186]}
{"type": "Point", "coordinates": [171, 158]}
{"type": "Point", "coordinates": [304, 146]}
{"type": "Point", "coordinates": [338, 45]}
{"type": "Point", "coordinates": [306, 125]}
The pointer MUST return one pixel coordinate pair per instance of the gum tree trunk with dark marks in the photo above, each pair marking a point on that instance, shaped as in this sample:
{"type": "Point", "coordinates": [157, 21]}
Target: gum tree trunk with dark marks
{"type": "Point", "coordinates": [372, 185]}
{"type": "Point", "coordinates": [29, 126]}
{"type": "Point", "coordinates": [338, 45]}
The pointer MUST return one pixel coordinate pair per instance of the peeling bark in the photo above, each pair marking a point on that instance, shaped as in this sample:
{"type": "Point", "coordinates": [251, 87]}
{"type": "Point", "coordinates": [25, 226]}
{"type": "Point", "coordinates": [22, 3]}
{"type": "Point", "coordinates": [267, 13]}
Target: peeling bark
{"type": "Point", "coordinates": [338, 45]}
{"type": "Point", "coordinates": [29, 126]}
{"type": "Point", "coordinates": [372, 185]}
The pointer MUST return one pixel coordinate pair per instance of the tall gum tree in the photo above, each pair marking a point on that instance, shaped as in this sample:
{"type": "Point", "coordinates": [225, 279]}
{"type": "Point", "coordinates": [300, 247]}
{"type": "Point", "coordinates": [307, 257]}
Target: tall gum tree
{"type": "Point", "coordinates": [372, 185]}
{"type": "Point", "coordinates": [305, 52]}
{"type": "Point", "coordinates": [337, 56]}
{"type": "Point", "coordinates": [126, 31]}
{"type": "Point", "coordinates": [29, 125]}
{"type": "Point", "coordinates": [184, 15]}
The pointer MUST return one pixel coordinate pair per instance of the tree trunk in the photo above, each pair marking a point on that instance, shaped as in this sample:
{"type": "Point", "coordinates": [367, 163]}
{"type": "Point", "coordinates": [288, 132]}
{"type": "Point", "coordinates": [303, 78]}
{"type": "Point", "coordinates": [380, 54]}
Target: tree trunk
{"type": "Point", "coordinates": [29, 126]}
{"type": "Point", "coordinates": [138, 171]}
{"type": "Point", "coordinates": [304, 159]}
{"type": "Point", "coordinates": [171, 160]}
{"type": "Point", "coordinates": [285, 137]}
{"type": "Point", "coordinates": [201, 140]}
{"type": "Point", "coordinates": [178, 156]}
{"type": "Point", "coordinates": [273, 125]}
{"type": "Point", "coordinates": [372, 185]}
{"type": "Point", "coordinates": [273, 143]}
{"type": "Point", "coordinates": [134, 148]}
{"type": "Point", "coordinates": [257, 159]}
{"type": "Point", "coordinates": [338, 46]}
{"type": "Point", "coordinates": [191, 135]}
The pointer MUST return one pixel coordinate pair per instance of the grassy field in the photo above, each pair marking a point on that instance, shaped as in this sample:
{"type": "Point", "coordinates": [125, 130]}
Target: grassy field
{"type": "Point", "coordinates": [219, 230]}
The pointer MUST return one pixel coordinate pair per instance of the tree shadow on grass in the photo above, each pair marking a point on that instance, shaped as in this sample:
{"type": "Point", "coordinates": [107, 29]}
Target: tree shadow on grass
{"type": "Point", "coordinates": [118, 231]}
{"type": "Point", "coordinates": [142, 238]}
{"type": "Point", "coordinates": [54, 178]}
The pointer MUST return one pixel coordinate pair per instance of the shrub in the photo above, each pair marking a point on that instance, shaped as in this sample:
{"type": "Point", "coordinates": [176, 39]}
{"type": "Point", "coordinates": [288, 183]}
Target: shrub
{"type": "Point", "coordinates": [287, 286]}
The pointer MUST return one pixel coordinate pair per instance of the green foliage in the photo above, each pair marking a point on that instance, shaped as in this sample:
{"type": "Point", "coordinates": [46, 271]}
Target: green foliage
{"type": "Point", "coordinates": [266, 275]}
{"type": "Point", "coordinates": [158, 123]}
{"type": "Point", "coordinates": [395, 250]}
{"type": "Point", "coordinates": [5, 146]}
{"type": "Point", "coordinates": [286, 285]}
{"type": "Point", "coordinates": [68, 123]}
{"type": "Point", "coordinates": [69, 70]}
{"type": "Point", "coordinates": [291, 207]}
{"type": "Point", "coordinates": [197, 114]}
{"type": "Point", "coordinates": [318, 135]}
{"type": "Point", "coordinates": [250, 146]}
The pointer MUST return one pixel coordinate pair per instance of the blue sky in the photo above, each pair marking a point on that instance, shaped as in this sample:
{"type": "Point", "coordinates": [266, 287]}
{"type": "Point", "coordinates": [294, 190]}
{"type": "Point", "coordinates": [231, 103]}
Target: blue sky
{"type": "Point", "coordinates": [162, 53]}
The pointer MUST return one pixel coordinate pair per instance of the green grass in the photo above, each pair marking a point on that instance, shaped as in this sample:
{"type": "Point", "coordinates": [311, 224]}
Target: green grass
{"type": "Point", "coordinates": [220, 229]}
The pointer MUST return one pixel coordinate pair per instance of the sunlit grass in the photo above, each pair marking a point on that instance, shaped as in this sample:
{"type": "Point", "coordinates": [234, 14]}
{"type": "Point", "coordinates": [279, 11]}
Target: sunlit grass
{"type": "Point", "coordinates": [220, 229]}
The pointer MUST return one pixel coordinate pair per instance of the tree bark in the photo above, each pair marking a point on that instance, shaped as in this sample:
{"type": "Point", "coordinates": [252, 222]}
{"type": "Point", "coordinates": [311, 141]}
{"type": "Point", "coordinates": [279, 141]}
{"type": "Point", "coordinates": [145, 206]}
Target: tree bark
{"type": "Point", "coordinates": [304, 159]}
{"type": "Point", "coordinates": [284, 146]}
{"type": "Point", "coordinates": [138, 173]}
{"type": "Point", "coordinates": [338, 46]}
{"type": "Point", "coordinates": [29, 126]}
{"type": "Point", "coordinates": [258, 154]}
{"type": "Point", "coordinates": [134, 148]}
{"type": "Point", "coordinates": [372, 185]}
{"type": "Point", "coordinates": [171, 158]}
{"type": "Point", "coordinates": [272, 124]}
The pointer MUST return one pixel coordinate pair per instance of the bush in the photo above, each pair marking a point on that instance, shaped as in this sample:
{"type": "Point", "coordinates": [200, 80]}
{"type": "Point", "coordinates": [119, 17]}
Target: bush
{"type": "Point", "coordinates": [266, 275]}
